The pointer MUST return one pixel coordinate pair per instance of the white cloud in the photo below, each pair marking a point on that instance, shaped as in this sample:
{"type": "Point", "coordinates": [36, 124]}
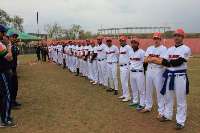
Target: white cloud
{"type": "Point", "coordinates": [91, 14]}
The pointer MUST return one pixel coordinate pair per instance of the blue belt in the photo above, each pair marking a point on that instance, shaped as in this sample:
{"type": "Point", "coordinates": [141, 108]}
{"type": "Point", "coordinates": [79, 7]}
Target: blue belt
{"type": "Point", "coordinates": [171, 82]}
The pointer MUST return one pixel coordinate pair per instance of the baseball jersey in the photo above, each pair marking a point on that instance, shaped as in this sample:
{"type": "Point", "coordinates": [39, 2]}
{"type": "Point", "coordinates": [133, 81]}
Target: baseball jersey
{"type": "Point", "coordinates": [153, 51]}
{"type": "Point", "coordinates": [101, 51]}
{"type": "Point", "coordinates": [112, 54]}
{"type": "Point", "coordinates": [124, 54]}
{"type": "Point", "coordinates": [173, 53]}
{"type": "Point", "coordinates": [137, 59]}
{"type": "Point", "coordinates": [91, 50]}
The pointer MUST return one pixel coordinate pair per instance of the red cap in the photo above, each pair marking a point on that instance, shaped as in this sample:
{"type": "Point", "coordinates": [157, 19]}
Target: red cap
{"type": "Point", "coordinates": [123, 38]}
{"type": "Point", "coordinates": [157, 35]}
{"type": "Point", "coordinates": [180, 32]}
{"type": "Point", "coordinates": [100, 38]}
{"type": "Point", "coordinates": [135, 39]}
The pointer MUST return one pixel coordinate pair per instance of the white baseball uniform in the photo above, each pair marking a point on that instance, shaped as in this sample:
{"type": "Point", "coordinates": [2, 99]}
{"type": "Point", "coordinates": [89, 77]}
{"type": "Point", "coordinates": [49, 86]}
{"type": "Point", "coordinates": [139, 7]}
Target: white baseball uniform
{"type": "Point", "coordinates": [112, 60]}
{"type": "Point", "coordinates": [179, 88]}
{"type": "Point", "coordinates": [154, 78]}
{"type": "Point", "coordinates": [124, 69]}
{"type": "Point", "coordinates": [137, 78]}
{"type": "Point", "coordinates": [101, 64]}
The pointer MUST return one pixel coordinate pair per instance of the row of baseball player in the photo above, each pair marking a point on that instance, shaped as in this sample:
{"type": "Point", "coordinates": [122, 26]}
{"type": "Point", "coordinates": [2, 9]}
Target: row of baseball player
{"type": "Point", "coordinates": [159, 68]}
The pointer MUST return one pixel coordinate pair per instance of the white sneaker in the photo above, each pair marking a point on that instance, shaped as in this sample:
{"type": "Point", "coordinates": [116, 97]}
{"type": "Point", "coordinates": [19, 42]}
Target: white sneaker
{"type": "Point", "coordinates": [121, 97]}
{"type": "Point", "coordinates": [126, 99]}
{"type": "Point", "coordinates": [91, 81]}
{"type": "Point", "coordinates": [94, 83]}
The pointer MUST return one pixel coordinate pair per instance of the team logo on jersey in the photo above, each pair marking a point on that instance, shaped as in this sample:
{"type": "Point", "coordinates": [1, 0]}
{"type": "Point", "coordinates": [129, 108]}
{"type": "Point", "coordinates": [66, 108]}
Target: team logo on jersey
{"type": "Point", "coordinates": [122, 52]}
{"type": "Point", "coordinates": [135, 59]}
{"type": "Point", "coordinates": [111, 52]}
{"type": "Point", "coordinates": [154, 55]}
{"type": "Point", "coordinates": [174, 56]}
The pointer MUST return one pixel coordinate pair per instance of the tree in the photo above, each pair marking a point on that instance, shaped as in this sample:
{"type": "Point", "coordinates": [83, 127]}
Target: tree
{"type": "Point", "coordinates": [13, 22]}
{"type": "Point", "coordinates": [4, 18]}
{"type": "Point", "coordinates": [54, 31]}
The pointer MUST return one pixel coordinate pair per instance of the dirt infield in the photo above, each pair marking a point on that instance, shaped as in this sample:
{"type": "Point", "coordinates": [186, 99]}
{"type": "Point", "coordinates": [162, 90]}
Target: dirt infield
{"type": "Point", "coordinates": [56, 101]}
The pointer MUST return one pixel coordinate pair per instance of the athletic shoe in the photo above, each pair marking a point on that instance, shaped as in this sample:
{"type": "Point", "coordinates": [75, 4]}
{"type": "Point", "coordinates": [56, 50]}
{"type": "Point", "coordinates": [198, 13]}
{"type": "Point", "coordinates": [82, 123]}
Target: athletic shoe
{"type": "Point", "coordinates": [179, 126]}
{"type": "Point", "coordinates": [163, 119]}
{"type": "Point", "coordinates": [121, 97]}
{"type": "Point", "coordinates": [133, 104]}
{"type": "Point", "coordinates": [139, 108]}
{"type": "Point", "coordinates": [126, 99]}
{"type": "Point", "coordinates": [145, 110]}
{"type": "Point", "coordinates": [109, 90]}
{"type": "Point", "coordinates": [115, 92]}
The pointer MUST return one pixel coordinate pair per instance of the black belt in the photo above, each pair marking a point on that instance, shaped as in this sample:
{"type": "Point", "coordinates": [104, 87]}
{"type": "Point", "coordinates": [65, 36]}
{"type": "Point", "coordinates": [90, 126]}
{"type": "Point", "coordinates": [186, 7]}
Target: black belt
{"type": "Point", "coordinates": [111, 62]}
{"type": "Point", "coordinates": [123, 65]}
{"type": "Point", "coordinates": [136, 70]}
{"type": "Point", "coordinates": [101, 59]}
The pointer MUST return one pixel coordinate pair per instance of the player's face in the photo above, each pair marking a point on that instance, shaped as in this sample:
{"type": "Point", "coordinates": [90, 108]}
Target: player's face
{"type": "Point", "coordinates": [178, 39]}
{"type": "Point", "coordinates": [109, 43]}
{"type": "Point", "coordinates": [122, 42]}
{"type": "Point", "coordinates": [99, 41]}
{"type": "Point", "coordinates": [134, 44]}
{"type": "Point", "coordinates": [157, 41]}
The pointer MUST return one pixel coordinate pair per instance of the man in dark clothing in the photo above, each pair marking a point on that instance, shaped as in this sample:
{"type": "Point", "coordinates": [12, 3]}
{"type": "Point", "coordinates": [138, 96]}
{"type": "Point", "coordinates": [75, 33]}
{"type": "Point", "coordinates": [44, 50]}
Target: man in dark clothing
{"type": "Point", "coordinates": [5, 81]}
{"type": "Point", "coordinates": [14, 78]}
{"type": "Point", "coordinates": [38, 51]}
{"type": "Point", "coordinates": [44, 52]}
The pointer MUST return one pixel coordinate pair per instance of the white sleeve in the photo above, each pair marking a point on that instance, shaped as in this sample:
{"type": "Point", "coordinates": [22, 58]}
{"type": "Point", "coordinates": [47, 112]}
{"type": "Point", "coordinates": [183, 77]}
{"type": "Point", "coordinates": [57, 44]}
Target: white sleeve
{"type": "Point", "coordinates": [163, 52]}
{"type": "Point", "coordinates": [142, 55]}
{"type": "Point", "coordinates": [187, 53]}
{"type": "Point", "coordinates": [147, 53]}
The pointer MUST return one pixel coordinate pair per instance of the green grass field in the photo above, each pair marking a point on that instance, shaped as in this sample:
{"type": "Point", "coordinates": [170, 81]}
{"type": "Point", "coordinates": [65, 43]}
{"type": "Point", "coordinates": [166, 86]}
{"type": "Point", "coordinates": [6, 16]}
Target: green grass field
{"type": "Point", "coordinates": [56, 101]}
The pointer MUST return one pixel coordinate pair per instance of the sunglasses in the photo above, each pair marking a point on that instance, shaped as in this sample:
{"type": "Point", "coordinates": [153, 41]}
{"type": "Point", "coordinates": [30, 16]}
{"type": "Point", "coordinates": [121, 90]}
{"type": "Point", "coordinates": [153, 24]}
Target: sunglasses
{"type": "Point", "coordinates": [156, 38]}
{"type": "Point", "coordinates": [177, 35]}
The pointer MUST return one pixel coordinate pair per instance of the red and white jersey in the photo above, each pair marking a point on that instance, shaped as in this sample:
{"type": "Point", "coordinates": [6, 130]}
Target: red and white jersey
{"type": "Point", "coordinates": [66, 50]}
{"type": "Point", "coordinates": [112, 54]}
{"type": "Point", "coordinates": [137, 59]}
{"type": "Point", "coordinates": [91, 50]}
{"type": "Point", "coordinates": [59, 48]}
{"type": "Point", "coordinates": [101, 51]}
{"type": "Point", "coordinates": [173, 53]}
{"type": "Point", "coordinates": [153, 51]}
{"type": "Point", "coordinates": [124, 54]}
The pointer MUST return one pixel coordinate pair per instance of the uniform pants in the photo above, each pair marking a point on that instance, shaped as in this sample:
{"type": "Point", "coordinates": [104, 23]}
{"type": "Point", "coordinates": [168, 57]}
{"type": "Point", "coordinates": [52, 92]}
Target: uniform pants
{"type": "Point", "coordinates": [124, 76]}
{"type": "Point", "coordinates": [154, 79]}
{"type": "Point", "coordinates": [137, 82]}
{"type": "Point", "coordinates": [111, 75]}
{"type": "Point", "coordinates": [180, 93]}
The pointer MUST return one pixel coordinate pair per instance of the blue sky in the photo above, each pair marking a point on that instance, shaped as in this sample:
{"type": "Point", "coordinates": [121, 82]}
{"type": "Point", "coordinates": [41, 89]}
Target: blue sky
{"type": "Point", "coordinates": [92, 14]}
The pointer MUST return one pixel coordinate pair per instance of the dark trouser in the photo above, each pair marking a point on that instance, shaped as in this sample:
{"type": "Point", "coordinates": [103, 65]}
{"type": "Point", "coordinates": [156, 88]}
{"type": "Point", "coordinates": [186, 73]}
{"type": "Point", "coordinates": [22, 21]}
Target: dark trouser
{"type": "Point", "coordinates": [64, 63]}
{"type": "Point", "coordinates": [44, 57]}
{"type": "Point", "coordinates": [14, 86]}
{"type": "Point", "coordinates": [38, 56]}
{"type": "Point", "coordinates": [5, 99]}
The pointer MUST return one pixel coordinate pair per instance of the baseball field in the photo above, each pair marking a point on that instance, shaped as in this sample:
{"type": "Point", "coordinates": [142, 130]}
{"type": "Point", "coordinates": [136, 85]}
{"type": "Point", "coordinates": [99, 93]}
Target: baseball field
{"type": "Point", "coordinates": [56, 101]}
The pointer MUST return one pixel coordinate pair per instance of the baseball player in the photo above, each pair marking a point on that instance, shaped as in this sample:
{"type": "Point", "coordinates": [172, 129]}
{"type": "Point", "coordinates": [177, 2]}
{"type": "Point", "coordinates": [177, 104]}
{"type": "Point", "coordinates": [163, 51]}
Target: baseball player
{"type": "Point", "coordinates": [112, 53]}
{"type": "Point", "coordinates": [101, 64]}
{"type": "Point", "coordinates": [93, 61]}
{"type": "Point", "coordinates": [154, 75]}
{"type": "Point", "coordinates": [137, 78]}
{"type": "Point", "coordinates": [176, 80]}
{"type": "Point", "coordinates": [125, 50]}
